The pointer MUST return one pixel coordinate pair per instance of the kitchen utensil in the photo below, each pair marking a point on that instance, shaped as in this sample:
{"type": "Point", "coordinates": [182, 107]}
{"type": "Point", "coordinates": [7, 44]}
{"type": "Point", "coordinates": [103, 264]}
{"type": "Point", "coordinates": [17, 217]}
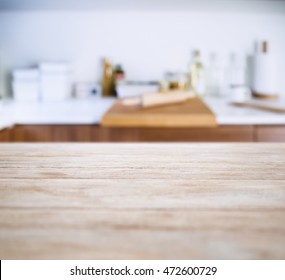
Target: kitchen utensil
{"type": "Point", "coordinates": [151, 100]}
{"type": "Point", "coordinates": [260, 106]}
{"type": "Point", "coordinates": [158, 99]}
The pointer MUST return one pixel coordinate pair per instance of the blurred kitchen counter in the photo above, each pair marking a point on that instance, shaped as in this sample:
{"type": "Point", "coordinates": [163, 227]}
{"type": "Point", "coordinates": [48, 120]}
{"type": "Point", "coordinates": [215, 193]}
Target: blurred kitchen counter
{"type": "Point", "coordinates": [91, 111]}
{"type": "Point", "coordinates": [79, 121]}
{"type": "Point", "coordinates": [72, 111]}
{"type": "Point", "coordinates": [232, 115]}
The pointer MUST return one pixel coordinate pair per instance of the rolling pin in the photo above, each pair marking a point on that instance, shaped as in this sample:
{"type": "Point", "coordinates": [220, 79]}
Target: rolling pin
{"type": "Point", "coordinates": [159, 99]}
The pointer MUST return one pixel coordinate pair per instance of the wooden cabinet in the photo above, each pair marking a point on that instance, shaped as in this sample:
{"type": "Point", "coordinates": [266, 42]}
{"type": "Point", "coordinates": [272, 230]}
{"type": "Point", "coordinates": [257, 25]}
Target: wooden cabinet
{"type": "Point", "coordinates": [31, 133]}
{"type": "Point", "coordinates": [217, 134]}
{"type": "Point", "coordinates": [53, 133]}
{"type": "Point", "coordinates": [270, 133]}
{"type": "Point", "coordinates": [95, 133]}
{"type": "Point", "coordinates": [6, 135]}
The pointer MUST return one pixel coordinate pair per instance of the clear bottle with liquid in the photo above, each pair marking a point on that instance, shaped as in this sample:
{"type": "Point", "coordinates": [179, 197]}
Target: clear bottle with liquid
{"type": "Point", "coordinates": [197, 75]}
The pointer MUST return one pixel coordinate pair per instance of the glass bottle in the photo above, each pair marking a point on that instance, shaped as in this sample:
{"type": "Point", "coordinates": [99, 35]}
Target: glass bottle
{"type": "Point", "coordinates": [217, 77]}
{"type": "Point", "coordinates": [108, 85]}
{"type": "Point", "coordinates": [197, 75]}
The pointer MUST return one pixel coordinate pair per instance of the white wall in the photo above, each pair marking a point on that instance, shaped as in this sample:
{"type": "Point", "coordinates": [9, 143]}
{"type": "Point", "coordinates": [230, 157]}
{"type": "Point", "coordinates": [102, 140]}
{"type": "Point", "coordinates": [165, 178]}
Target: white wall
{"type": "Point", "coordinates": [147, 43]}
{"type": "Point", "coordinates": [269, 6]}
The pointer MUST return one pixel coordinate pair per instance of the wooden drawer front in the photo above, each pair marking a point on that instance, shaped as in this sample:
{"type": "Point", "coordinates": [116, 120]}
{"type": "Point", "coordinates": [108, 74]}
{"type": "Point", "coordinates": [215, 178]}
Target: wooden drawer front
{"type": "Point", "coordinates": [93, 133]}
{"type": "Point", "coordinates": [32, 133]}
{"type": "Point", "coordinates": [218, 134]}
{"type": "Point", "coordinates": [72, 133]}
{"type": "Point", "coordinates": [6, 135]}
{"type": "Point", "coordinates": [270, 133]}
{"type": "Point", "coordinates": [52, 133]}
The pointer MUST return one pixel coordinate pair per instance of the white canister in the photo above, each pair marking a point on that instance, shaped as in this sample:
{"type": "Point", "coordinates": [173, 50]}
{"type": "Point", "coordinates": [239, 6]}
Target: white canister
{"type": "Point", "coordinates": [265, 73]}
{"type": "Point", "coordinates": [239, 93]}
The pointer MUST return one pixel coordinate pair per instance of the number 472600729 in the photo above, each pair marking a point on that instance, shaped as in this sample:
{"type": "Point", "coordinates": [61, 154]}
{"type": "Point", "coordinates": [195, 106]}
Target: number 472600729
{"type": "Point", "coordinates": [190, 270]}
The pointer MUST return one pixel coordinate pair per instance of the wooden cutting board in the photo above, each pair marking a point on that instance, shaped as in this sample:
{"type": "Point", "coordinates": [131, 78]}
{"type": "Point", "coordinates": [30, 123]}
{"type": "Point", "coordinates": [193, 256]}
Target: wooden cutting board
{"type": "Point", "coordinates": [192, 113]}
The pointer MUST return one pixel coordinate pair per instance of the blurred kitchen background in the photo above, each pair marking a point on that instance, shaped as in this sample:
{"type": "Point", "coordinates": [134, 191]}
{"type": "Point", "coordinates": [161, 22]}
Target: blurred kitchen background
{"type": "Point", "coordinates": [64, 64]}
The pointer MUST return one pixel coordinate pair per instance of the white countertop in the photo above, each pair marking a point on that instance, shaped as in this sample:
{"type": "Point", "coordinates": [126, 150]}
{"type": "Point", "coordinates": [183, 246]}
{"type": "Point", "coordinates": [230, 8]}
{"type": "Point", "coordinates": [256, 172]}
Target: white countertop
{"type": "Point", "coordinates": [68, 112]}
{"type": "Point", "coordinates": [92, 110]}
{"type": "Point", "coordinates": [232, 115]}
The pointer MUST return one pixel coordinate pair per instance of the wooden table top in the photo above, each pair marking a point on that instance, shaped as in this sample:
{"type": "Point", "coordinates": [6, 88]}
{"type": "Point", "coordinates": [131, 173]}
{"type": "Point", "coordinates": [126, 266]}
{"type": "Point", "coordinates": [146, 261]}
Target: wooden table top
{"type": "Point", "coordinates": [142, 201]}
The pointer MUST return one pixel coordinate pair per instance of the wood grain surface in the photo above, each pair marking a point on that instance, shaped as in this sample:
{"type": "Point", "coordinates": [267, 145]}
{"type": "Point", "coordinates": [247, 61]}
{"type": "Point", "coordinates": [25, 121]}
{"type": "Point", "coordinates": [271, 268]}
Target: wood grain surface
{"type": "Point", "coordinates": [270, 133]}
{"type": "Point", "coordinates": [191, 113]}
{"type": "Point", "coordinates": [142, 201]}
{"type": "Point", "coordinates": [95, 133]}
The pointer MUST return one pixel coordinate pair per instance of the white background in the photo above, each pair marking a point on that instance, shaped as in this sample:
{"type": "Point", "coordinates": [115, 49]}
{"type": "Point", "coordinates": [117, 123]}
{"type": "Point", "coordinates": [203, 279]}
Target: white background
{"type": "Point", "coordinates": [148, 39]}
{"type": "Point", "coordinates": [60, 270]}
